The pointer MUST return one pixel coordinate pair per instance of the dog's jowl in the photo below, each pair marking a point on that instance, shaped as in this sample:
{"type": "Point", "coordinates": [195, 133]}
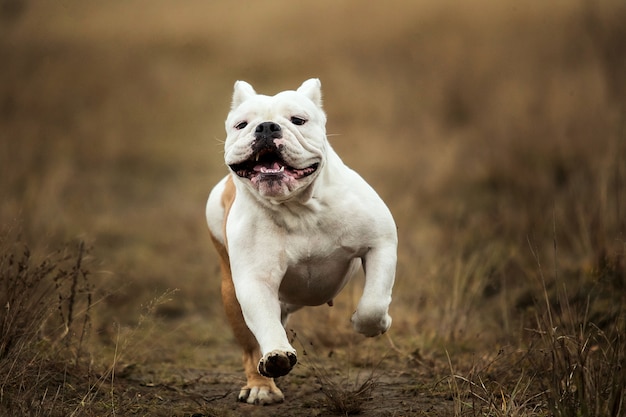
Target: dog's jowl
{"type": "Point", "coordinates": [291, 224]}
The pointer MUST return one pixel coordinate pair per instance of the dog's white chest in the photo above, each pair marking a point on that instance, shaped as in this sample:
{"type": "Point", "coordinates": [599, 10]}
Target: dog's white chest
{"type": "Point", "coordinates": [317, 269]}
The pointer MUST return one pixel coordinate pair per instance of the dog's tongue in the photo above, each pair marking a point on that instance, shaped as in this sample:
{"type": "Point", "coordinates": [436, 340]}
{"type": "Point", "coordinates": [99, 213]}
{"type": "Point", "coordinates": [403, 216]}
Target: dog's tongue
{"type": "Point", "coordinates": [273, 167]}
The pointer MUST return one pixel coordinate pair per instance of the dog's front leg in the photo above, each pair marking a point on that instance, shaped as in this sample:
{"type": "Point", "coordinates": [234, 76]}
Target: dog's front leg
{"type": "Point", "coordinates": [257, 292]}
{"type": "Point", "coordinates": [371, 317]}
{"type": "Point", "coordinates": [258, 389]}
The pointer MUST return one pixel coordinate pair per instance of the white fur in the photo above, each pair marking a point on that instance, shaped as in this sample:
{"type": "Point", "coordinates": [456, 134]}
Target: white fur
{"type": "Point", "coordinates": [299, 247]}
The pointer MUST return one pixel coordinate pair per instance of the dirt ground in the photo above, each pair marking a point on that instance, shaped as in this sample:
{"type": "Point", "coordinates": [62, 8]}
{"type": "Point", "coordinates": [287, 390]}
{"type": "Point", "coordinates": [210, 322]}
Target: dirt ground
{"type": "Point", "coordinates": [493, 130]}
{"type": "Point", "coordinates": [197, 392]}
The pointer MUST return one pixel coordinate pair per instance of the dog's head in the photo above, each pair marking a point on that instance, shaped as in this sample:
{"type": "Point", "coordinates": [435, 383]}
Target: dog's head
{"type": "Point", "coordinates": [276, 145]}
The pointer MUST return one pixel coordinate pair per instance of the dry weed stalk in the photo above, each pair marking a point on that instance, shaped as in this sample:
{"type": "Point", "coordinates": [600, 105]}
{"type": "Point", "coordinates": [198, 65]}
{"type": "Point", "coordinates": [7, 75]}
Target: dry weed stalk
{"type": "Point", "coordinates": [107, 380]}
{"type": "Point", "coordinates": [344, 397]}
{"type": "Point", "coordinates": [30, 331]}
{"type": "Point", "coordinates": [585, 365]}
{"type": "Point", "coordinates": [480, 394]}
{"type": "Point", "coordinates": [573, 367]}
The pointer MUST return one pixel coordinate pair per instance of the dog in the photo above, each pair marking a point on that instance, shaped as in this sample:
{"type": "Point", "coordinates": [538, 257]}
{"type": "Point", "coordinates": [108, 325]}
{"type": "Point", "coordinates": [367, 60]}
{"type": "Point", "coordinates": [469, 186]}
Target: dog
{"type": "Point", "coordinates": [291, 224]}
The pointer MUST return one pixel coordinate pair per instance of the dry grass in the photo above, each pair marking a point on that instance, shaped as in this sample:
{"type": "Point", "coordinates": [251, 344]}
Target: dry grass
{"type": "Point", "coordinates": [494, 131]}
{"type": "Point", "coordinates": [44, 322]}
{"type": "Point", "coordinates": [344, 400]}
{"type": "Point", "coordinates": [570, 366]}
{"type": "Point", "coordinates": [47, 362]}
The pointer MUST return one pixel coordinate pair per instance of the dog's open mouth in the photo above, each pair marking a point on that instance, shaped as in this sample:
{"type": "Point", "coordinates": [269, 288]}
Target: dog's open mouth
{"type": "Point", "coordinates": [269, 165]}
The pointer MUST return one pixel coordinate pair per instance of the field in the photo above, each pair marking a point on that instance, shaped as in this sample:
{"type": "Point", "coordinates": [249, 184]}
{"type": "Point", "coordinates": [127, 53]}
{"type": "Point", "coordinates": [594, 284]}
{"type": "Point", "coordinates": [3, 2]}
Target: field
{"type": "Point", "coordinates": [494, 130]}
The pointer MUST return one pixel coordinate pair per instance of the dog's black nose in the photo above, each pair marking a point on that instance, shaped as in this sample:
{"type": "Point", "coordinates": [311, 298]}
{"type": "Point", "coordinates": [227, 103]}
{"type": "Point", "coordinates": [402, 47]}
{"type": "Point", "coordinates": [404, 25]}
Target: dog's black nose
{"type": "Point", "coordinates": [268, 130]}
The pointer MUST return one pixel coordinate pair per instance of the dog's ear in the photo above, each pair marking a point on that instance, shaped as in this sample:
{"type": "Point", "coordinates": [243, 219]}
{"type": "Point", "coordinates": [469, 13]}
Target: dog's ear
{"type": "Point", "coordinates": [312, 88]}
{"type": "Point", "coordinates": [243, 91]}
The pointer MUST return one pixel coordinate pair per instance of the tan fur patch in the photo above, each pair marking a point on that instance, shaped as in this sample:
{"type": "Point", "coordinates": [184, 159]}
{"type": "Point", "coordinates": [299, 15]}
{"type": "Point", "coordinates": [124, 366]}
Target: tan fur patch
{"type": "Point", "coordinates": [228, 197]}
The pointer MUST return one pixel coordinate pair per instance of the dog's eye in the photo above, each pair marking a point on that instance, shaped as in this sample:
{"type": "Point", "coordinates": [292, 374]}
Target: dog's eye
{"type": "Point", "coordinates": [298, 121]}
{"type": "Point", "coordinates": [241, 125]}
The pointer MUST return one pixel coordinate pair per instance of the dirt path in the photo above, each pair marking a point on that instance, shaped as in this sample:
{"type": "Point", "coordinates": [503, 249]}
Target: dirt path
{"type": "Point", "coordinates": [197, 392]}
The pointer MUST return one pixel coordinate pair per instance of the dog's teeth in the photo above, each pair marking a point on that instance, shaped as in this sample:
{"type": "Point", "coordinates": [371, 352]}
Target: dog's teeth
{"type": "Point", "coordinates": [282, 168]}
{"type": "Point", "coordinates": [257, 158]}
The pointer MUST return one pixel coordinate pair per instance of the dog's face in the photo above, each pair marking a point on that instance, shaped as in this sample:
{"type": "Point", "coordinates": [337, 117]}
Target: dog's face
{"type": "Point", "coordinates": [276, 145]}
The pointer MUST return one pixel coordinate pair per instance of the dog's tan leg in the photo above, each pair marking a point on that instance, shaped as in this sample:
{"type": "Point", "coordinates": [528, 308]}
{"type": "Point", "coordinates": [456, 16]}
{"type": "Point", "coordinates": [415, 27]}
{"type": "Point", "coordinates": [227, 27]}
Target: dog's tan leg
{"type": "Point", "coordinates": [258, 389]}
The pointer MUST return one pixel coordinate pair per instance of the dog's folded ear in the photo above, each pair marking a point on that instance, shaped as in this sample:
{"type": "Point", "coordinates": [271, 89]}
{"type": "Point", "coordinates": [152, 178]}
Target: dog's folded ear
{"type": "Point", "coordinates": [243, 91]}
{"type": "Point", "coordinates": [312, 88]}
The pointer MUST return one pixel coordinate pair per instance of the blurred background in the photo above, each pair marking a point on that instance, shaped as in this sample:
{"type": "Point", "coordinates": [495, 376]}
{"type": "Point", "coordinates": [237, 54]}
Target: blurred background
{"type": "Point", "coordinates": [494, 130]}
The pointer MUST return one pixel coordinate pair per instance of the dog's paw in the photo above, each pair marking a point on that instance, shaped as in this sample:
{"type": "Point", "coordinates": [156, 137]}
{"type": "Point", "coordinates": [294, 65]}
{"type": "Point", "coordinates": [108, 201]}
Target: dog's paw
{"type": "Point", "coordinates": [371, 325]}
{"type": "Point", "coordinates": [261, 394]}
{"type": "Point", "coordinates": [277, 363]}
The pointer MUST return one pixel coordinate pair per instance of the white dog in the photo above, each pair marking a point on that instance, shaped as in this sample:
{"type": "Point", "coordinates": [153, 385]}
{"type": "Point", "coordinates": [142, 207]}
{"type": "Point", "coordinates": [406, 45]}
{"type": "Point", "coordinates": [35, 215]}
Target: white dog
{"type": "Point", "coordinates": [291, 224]}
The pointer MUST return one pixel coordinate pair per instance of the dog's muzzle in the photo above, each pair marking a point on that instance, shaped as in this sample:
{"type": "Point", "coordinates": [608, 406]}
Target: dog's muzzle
{"type": "Point", "coordinates": [266, 162]}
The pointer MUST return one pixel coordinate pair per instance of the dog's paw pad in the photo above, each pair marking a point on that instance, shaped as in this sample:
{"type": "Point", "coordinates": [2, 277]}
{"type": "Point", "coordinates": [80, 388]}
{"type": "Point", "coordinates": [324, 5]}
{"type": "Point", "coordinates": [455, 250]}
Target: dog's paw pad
{"type": "Point", "coordinates": [277, 363]}
{"type": "Point", "coordinates": [261, 395]}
